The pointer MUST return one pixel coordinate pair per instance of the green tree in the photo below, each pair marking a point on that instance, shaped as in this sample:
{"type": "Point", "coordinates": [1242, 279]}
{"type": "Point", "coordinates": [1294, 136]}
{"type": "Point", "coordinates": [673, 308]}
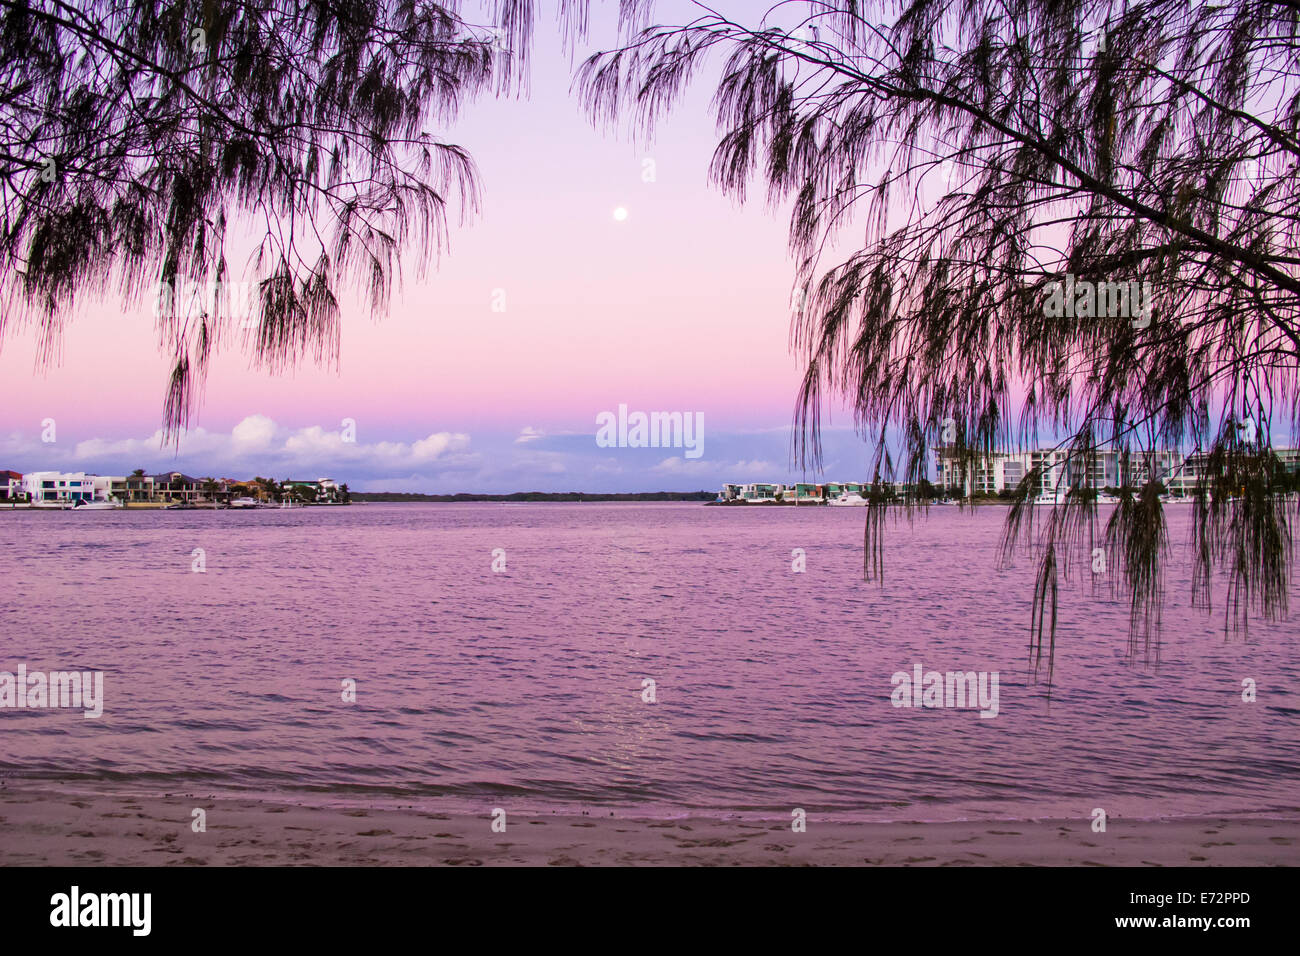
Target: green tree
{"type": "Point", "coordinates": [267, 489]}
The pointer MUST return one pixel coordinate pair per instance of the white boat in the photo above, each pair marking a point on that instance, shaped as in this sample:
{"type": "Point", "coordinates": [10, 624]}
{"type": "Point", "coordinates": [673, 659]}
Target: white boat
{"type": "Point", "coordinates": [853, 500]}
{"type": "Point", "coordinates": [79, 504]}
{"type": "Point", "coordinates": [1047, 498]}
{"type": "Point", "coordinates": [245, 502]}
{"type": "Point", "coordinates": [96, 505]}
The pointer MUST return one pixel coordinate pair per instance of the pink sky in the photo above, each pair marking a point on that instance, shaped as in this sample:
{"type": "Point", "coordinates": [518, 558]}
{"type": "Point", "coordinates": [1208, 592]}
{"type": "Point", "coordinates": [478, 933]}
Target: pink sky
{"type": "Point", "coordinates": [682, 306]}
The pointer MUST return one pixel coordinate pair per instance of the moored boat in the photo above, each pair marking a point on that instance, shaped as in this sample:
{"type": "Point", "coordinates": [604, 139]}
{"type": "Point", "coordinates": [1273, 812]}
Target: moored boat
{"type": "Point", "coordinates": [849, 499]}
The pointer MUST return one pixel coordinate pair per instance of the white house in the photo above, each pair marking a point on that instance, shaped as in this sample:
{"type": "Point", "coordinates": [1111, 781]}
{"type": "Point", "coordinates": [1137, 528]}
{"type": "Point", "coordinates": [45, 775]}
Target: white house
{"type": "Point", "coordinates": [51, 486]}
{"type": "Point", "coordinates": [328, 489]}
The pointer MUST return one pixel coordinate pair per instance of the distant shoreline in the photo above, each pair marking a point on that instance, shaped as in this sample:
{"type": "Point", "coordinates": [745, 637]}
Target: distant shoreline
{"type": "Point", "coordinates": [398, 496]}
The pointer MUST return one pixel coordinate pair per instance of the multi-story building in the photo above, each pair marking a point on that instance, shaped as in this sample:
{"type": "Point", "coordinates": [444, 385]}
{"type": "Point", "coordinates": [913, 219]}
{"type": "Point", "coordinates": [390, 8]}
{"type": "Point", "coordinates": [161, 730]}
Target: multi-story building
{"type": "Point", "coordinates": [177, 486]}
{"type": "Point", "coordinates": [319, 490]}
{"type": "Point", "coordinates": [1059, 471]}
{"type": "Point", "coordinates": [11, 485]}
{"type": "Point", "coordinates": [1000, 471]}
{"type": "Point", "coordinates": [329, 490]}
{"type": "Point", "coordinates": [803, 491]}
{"type": "Point", "coordinates": [1184, 479]}
{"type": "Point", "coordinates": [50, 486]}
{"type": "Point", "coordinates": [759, 491]}
{"type": "Point", "coordinates": [799, 491]}
{"type": "Point", "coordinates": [139, 487]}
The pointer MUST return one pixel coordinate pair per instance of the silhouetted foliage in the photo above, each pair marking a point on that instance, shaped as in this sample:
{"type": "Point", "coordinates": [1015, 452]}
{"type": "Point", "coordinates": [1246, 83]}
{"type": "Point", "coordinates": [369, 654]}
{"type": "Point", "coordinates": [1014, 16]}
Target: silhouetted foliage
{"type": "Point", "coordinates": [143, 144]}
{"type": "Point", "coordinates": [989, 152]}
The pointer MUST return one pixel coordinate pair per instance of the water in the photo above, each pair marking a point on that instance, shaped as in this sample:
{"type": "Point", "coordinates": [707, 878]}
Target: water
{"type": "Point", "coordinates": [523, 689]}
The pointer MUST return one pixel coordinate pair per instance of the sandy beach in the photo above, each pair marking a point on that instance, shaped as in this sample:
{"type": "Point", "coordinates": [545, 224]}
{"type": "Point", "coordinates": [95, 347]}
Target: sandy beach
{"type": "Point", "coordinates": [44, 828]}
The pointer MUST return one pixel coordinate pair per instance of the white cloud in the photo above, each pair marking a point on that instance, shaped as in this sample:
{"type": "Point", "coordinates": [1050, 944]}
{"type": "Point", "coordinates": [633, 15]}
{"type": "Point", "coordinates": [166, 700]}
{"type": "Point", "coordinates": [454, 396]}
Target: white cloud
{"type": "Point", "coordinates": [756, 469]}
{"type": "Point", "coordinates": [255, 432]}
{"type": "Point", "coordinates": [433, 447]}
{"type": "Point", "coordinates": [256, 443]}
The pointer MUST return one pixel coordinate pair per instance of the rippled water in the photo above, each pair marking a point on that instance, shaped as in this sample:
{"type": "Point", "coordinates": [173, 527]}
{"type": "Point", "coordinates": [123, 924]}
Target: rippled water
{"type": "Point", "coordinates": [524, 688]}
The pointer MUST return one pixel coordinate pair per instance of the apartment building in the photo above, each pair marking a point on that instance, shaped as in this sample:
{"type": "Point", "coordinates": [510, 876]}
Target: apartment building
{"type": "Point", "coordinates": [1104, 468]}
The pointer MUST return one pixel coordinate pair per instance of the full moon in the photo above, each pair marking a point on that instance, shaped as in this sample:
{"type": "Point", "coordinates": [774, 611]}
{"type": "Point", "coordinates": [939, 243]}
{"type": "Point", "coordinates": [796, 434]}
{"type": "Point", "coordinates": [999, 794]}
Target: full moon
{"type": "Point", "coordinates": [620, 214]}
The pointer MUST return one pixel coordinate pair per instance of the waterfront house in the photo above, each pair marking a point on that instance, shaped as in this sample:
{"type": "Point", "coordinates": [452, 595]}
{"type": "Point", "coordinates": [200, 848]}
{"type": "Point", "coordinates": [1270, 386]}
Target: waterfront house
{"type": "Point", "coordinates": [242, 489]}
{"type": "Point", "coordinates": [320, 490]}
{"type": "Point", "coordinates": [139, 487]}
{"type": "Point", "coordinates": [177, 486]}
{"type": "Point", "coordinates": [11, 485]}
{"type": "Point", "coordinates": [109, 487]}
{"type": "Point", "coordinates": [328, 490]}
{"type": "Point", "coordinates": [802, 491]}
{"type": "Point", "coordinates": [759, 492]}
{"type": "Point", "coordinates": [298, 490]}
{"type": "Point", "coordinates": [50, 486]}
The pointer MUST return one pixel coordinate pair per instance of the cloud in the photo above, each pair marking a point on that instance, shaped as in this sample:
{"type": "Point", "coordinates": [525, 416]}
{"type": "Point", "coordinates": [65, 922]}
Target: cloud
{"type": "Point", "coordinates": [534, 458]}
{"type": "Point", "coordinates": [257, 444]}
{"type": "Point", "coordinates": [681, 466]}
{"type": "Point", "coordinates": [254, 432]}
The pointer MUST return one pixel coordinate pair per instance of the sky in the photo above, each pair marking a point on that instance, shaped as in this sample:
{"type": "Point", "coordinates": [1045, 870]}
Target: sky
{"type": "Point", "coordinates": [600, 272]}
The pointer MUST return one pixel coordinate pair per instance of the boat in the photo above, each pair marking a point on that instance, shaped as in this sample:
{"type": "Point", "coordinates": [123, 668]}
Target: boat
{"type": "Point", "coordinates": [850, 500]}
{"type": "Point", "coordinates": [245, 502]}
{"type": "Point", "coordinates": [181, 506]}
{"type": "Point", "coordinates": [109, 505]}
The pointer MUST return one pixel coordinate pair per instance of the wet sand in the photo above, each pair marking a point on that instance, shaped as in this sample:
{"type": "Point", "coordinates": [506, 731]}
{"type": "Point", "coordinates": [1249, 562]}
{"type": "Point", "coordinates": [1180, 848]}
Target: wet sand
{"type": "Point", "coordinates": [57, 829]}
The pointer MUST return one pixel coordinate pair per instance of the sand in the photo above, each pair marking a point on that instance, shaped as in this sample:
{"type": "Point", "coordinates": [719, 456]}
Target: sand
{"type": "Point", "coordinates": [58, 829]}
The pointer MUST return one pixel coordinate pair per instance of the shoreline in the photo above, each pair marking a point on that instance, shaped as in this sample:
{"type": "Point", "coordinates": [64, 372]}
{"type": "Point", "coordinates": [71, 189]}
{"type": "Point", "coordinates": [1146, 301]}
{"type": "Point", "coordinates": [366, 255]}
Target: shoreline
{"type": "Point", "coordinates": [54, 828]}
